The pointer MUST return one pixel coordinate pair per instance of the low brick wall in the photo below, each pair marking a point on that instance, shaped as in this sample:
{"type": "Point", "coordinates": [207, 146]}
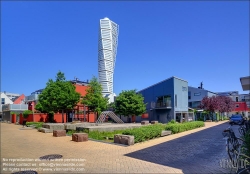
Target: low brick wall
{"type": "Point", "coordinates": [124, 139]}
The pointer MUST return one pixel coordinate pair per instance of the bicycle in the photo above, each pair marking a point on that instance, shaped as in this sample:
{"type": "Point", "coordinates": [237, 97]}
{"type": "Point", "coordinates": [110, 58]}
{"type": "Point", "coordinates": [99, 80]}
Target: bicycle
{"type": "Point", "coordinates": [233, 147]}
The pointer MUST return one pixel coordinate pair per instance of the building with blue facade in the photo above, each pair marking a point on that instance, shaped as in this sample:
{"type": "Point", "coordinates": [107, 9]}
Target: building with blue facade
{"type": "Point", "coordinates": [167, 100]}
{"type": "Point", "coordinates": [195, 95]}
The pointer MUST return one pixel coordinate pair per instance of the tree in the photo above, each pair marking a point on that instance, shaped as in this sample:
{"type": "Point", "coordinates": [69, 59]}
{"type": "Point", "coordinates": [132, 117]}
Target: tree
{"type": "Point", "coordinates": [111, 106]}
{"type": "Point", "coordinates": [94, 99]}
{"type": "Point", "coordinates": [221, 105]}
{"type": "Point", "coordinates": [210, 104]}
{"type": "Point", "coordinates": [59, 95]}
{"type": "Point", "coordinates": [229, 104]}
{"type": "Point", "coordinates": [129, 103]}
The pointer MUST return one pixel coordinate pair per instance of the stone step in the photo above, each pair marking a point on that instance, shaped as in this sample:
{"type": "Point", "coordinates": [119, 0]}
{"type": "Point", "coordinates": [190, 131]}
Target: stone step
{"type": "Point", "coordinates": [165, 133]}
{"type": "Point", "coordinates": [45, 130]}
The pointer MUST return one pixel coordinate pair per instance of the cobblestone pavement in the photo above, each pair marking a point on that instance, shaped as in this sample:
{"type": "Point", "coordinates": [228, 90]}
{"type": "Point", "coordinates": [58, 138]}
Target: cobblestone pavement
{"type": "Point", "coordinates": [194, 151]}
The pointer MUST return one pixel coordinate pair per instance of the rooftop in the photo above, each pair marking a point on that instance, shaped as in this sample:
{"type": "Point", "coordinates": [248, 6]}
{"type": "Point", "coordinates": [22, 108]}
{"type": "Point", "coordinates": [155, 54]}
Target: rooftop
{"type": "Point", "coordinates": [162, 82]}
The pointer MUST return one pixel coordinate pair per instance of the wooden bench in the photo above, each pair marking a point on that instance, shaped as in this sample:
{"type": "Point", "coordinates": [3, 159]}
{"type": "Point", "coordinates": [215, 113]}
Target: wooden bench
{"type": "Point", "coordinates": [79, 137]}
{"type": "Point", "coordinates": [59, 133]}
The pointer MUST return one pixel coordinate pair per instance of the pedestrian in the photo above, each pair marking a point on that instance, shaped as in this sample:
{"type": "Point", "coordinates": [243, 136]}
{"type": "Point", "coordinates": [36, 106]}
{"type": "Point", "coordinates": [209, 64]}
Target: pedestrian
{"type": "Point", "coordinates": [24, 123]}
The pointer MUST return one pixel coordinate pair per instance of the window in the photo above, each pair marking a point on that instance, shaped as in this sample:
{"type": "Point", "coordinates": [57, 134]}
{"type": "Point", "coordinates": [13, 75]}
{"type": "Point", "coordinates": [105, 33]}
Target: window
{"type": "Point", "coordinates": [189, 95]}
{"type": "Point", "coordinates": [197, 94]}
{"type": "Point", "coordinates": [175, 100]}
{"type": "Point", "coordinates": [3, 101]}
{"type": "Point", "coordinates": [189, 104]}
{"type": "Point", "coordinates": [237, 99]}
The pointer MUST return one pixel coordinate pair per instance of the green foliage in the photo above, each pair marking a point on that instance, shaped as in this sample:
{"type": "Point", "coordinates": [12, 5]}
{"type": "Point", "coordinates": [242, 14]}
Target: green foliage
{"type": "Point", "coordinates": [177, 128]}
{"type": "Point", "coordinates": [36, 124]}
{"type": "Point", "coordinates": [225, 118]}
{"type": "Point", "coordinates": [94, 99]}
{"type": "Point", "coordinates": [130, 103]}
{"type": "Point", "coordinates": [246, 145]}
{"type": "Point", "coordinates": [26, 113]}
{"type": "Point", "coordinates": [145, 132]}
{"type": "Point", "coordinates": [172, 121]}
{"type": "Point", "coordinates": [111, 106]}
{"type": "Point", "coordinates": [58, 95]}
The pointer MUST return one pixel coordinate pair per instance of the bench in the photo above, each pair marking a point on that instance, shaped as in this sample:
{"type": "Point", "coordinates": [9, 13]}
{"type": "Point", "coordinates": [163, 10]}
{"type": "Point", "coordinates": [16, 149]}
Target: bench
{"type": "Point", "coordinates": [124, 139]}
{"type": "Point", "coordinates": [165, 133]}
{"type": "Point", "coordinates": [154, 122]}
{"type": "Point", "coordinates": [79, 137]}
{"type": "Point", "coordinates": [59, 133]}
{"type": "Point", "coordinates": [45, 130]}
{"type": "Point", "coordinates": [144, 122]}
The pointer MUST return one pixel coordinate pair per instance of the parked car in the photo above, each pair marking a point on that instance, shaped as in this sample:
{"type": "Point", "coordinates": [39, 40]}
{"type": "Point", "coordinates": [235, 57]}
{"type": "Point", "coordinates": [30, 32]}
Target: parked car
{"type": "Point", "coordinates": [236, 119]}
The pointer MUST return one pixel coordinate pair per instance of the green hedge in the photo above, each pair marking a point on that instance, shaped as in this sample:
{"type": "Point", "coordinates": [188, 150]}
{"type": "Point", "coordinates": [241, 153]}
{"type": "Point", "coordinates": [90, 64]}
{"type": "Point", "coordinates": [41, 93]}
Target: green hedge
{"type": "Point", "coordinates": [145, 132]}
{"type": "Point", "coordinates": [181, 127]}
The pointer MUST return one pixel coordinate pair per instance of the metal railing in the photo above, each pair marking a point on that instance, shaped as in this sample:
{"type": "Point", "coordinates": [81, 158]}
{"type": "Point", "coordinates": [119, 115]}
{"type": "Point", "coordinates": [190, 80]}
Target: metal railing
{"type": "Point", "coordinates": [163, 104]}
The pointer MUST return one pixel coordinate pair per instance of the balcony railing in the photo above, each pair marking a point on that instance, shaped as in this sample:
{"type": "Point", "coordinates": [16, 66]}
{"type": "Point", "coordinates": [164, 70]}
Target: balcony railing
{"type": "Point", "coordinates": [166, 104]}
{"type": "Point", "coordinates": [31, 97]}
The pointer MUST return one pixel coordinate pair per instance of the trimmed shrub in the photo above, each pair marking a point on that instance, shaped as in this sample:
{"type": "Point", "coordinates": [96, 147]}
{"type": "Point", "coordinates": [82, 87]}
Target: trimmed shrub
{"type": "Point", "coordinates": [26, 113]}
{"type": "Point", "coordinates": [145, 132]}
{"type": "Point", "coordinates": [177, 128]}
{"type": "Point", "coordinates": [172, 121]}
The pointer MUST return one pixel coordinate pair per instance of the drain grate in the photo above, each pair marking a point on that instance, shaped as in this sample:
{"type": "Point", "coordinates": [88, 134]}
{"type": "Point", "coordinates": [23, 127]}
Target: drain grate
{"type": "Point", "coordinates": [49, 157]}
{"type": "Point", "coordinates": [26, 172]}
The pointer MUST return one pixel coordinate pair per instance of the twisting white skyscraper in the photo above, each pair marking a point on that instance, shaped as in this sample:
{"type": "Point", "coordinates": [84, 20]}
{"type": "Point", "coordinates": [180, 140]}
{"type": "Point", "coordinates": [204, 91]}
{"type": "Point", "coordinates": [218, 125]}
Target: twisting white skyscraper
{"type": "Point", "coordinates": [107, 49]}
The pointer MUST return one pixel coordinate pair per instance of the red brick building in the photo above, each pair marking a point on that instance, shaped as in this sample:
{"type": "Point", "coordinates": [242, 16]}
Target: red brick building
{"type": "Point", "coordinates": [78, 113]}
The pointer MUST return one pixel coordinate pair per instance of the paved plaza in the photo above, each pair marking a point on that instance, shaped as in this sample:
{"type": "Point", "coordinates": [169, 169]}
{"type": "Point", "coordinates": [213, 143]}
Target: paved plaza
{"type": "Point", "coordinates": [194, 151]}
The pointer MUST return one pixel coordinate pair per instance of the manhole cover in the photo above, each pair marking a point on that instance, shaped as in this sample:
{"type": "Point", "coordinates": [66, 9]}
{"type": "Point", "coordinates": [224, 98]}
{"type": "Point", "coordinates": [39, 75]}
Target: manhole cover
{"type": "Point", "coordinates": [49, 157]}
{"type": "Point", "coordinates": [26, 172]}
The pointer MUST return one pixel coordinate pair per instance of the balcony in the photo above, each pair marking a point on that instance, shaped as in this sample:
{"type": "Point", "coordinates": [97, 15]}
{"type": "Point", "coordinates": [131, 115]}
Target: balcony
{"type": "Point", "coordinates": [14, 107]}
{"type": "Point", "coordinates": [31, 97]}
{"type": "Point", "coordinates": [163, 105]}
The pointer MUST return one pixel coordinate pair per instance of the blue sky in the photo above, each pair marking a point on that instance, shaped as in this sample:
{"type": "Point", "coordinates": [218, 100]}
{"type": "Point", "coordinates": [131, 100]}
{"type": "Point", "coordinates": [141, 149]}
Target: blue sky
{"type": "Point", "coordinates": [195, 41]}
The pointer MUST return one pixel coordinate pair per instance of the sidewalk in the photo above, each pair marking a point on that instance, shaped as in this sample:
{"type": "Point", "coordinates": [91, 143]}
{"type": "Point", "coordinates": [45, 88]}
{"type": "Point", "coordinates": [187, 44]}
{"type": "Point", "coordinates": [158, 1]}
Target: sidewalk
{"type": "Point", "coordinates": [99, 157]}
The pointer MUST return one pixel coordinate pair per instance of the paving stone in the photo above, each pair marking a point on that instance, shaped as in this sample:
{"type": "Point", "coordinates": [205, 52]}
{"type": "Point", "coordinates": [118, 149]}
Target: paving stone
{"type": "Point", "coordinates": [195, 151]}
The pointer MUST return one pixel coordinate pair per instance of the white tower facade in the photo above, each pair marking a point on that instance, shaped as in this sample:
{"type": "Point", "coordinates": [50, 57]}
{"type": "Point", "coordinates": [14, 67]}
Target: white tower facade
{"type": "Point", "coordinates": [107, 50]}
